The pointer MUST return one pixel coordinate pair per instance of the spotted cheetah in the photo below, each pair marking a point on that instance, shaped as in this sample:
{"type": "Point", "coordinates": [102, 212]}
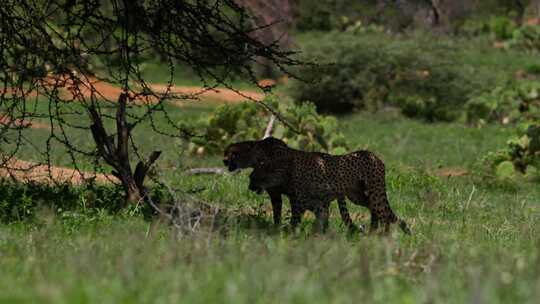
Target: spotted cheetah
{"type": "Point", "coordinates": [312, 180]}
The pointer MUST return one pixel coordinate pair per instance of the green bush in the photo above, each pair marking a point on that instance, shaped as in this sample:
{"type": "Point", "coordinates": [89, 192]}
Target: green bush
{"type": "Point", "coordinates": [501, 27]}
{"type": "Point", "coordinates": [526, 38]}
{"type": "Point", "coordinates": [315, 132]}
{"type": "Point", "coordinates": [19, 201]}
{"type": "Point", "coordinates": [328, 15]}
{"type": "Point", "coordinates": [74, 204]}
{"type": "Point", "coordinates": [474, 27]}
{"type": "Point", "coordinates": [228, 124]}
{"type": "Point", "coordinates": [248, 121]}
{"type": "Point", "coordinates": [504, 29]}
{"type": "Point", "coordinates": [521, 154]}
{"type": "Point", "coordinates": [505, 104]}
{"type": "Point", "coordinates": [314, 17]}
{"type": "Point", "coordinates": [533, 68]}
{"type": "Point", "coordinates": [367, 70]}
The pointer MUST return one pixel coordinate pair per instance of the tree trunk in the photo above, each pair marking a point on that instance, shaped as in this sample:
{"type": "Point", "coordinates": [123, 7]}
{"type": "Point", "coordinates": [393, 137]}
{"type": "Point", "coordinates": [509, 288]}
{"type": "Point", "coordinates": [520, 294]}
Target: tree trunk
{"type": "Point", "coordinates": [133, 193]}
{"type": "Point", "coordinates": [118, 157]}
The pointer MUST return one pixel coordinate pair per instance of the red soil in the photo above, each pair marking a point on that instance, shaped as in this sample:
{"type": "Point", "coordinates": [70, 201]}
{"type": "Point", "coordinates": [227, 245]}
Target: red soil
{"type": "Point", "coordinates": [104, 90]}
{"type": "Point", "coordinates": [25, 171]}
{"type": "Point", "coordinates": [6, 120]}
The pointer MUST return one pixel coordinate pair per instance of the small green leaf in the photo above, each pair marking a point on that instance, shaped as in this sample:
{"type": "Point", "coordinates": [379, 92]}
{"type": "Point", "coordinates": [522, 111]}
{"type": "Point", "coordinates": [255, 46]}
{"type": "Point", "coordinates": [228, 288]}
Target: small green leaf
{"type": "Point", "coordinates": [505, 170]}
{"type": "Point", "coordinates": [524, 142]}
{"type": "Point", "coordinates": [339, 151]}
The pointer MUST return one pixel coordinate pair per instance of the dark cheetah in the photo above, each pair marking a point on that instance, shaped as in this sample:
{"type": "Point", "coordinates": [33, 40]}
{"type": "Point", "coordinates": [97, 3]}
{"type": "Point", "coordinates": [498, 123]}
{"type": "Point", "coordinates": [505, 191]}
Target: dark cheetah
{"type": "Point", "coordinates": [312, 180]}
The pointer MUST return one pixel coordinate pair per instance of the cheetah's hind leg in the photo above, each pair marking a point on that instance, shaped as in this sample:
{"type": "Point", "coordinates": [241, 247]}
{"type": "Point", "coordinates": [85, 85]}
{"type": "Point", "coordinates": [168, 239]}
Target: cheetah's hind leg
{"type": "Point", "coordinates": [346, 218]}
{"type": "Point", "coordinates": [404, 226]}
{"type": "Point", "coordinates": [275, 198]}
{"type": "Point", "coordinates": [379, 207]}
{"type": "Point", "coordinates": [297, 211]}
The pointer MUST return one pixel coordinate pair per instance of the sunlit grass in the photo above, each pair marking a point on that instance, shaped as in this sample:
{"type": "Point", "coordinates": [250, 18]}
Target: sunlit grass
{"type": "Point", "coordinates": [474, 239]}
{"type": "Point", "coordinates": [470, 238]}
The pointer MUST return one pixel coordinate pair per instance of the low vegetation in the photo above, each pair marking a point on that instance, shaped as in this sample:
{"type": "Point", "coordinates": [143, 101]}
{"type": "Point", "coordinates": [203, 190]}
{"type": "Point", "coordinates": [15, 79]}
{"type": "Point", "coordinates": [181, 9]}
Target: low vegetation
{"type": "Point", "coordinates": [427, 77]}
{"type": "Point", "coordinates": [470, 238]}
{"type": "Point", "coordinates": [453, 112]}
{"type": "Point", "coordinates": [298, 125]}
{"type": "Point", "coordinates": [507, 104]}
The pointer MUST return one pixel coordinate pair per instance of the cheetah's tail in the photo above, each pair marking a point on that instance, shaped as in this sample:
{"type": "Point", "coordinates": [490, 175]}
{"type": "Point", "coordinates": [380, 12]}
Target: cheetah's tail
{"type": "Point", "coordinates": [404, 227]}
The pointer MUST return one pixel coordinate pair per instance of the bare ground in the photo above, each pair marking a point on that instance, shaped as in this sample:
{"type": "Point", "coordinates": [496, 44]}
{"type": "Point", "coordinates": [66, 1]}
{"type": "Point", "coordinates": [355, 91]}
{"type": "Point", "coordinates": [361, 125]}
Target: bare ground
{"type": "Point", "coordinates": [104, 90]}
{"type": "Point", "coordinates": [24, 171]}
{"type": "Point", "coordinates": [5, 120]}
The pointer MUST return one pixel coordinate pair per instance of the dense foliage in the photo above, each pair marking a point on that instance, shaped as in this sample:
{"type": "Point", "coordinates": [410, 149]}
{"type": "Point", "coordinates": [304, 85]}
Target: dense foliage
{"type": "Point", "coordinates": [521, 154]}
{"type": "Point", "coordinates": [456, 16]}
{"type": "Point", "coordinates": [505, 104]}
{"type": "Point", "coordinates": [20, 201]}
{"type": "Point", "coordinates": [307, 129]}
{"type": "Point", "coordinates": [365, 70]}
{"type": "Point", "coordinates": [526, 38]}
{"type": "Point", "coordinates": [75, 55]}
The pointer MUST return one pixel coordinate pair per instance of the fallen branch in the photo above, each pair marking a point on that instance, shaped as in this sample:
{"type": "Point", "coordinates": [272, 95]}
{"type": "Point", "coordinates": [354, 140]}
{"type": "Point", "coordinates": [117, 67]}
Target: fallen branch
{"type": "Point", "coordinates": [217, 170]}
{"type": "Point", "coordinates": [214, 170]}
{"type": "Point", "coordinates": [186, 213]}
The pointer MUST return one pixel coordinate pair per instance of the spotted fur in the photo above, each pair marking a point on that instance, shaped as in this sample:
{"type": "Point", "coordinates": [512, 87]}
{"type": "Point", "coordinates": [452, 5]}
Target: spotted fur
{"type": "Point", "coordinates": [312, 180]}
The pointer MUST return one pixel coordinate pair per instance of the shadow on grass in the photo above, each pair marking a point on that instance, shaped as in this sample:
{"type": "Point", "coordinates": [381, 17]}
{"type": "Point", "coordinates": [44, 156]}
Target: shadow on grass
{"type": "Point", "coordinates": [25, 202]}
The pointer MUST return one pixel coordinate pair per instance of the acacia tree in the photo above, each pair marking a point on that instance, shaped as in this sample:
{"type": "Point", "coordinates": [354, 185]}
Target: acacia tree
{"type": "Point", "coordinates": [61, 52]}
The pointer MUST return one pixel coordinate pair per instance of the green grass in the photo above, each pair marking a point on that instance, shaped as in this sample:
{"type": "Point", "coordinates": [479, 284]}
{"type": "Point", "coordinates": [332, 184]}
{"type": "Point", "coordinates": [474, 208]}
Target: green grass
{"type": "Point", "coordinates": [158, 72]}
{"type": "Point", "coordinates": [461, 250]}
{"type": "Point", "coordinates": [410, 142]}
{"type": "Point", "coordinates": [471, 239]}
{"type": "Point", "coordinates": [474, 239]}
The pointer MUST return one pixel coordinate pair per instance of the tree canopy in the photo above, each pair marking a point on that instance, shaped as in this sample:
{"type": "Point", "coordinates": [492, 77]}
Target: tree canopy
{"type": "Point", "coordinates": [60, 53]}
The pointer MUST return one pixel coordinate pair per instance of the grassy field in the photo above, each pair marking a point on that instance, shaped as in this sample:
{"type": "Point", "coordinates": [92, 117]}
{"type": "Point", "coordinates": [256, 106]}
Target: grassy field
{"type": "Point", "coordinates": [474, 240]}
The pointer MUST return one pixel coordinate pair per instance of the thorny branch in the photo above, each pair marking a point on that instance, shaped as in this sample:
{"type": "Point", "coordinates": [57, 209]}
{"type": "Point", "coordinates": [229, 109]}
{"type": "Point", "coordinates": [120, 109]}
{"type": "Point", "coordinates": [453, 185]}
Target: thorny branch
{"type": "Point", "coordinates": [77, 66]}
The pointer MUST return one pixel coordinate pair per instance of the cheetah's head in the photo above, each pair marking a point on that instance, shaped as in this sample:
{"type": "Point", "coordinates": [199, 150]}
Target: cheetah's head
{"type": "Point", "coordinates": [248, 154]}
{"type": "Point", "coordinates": [240, 155]}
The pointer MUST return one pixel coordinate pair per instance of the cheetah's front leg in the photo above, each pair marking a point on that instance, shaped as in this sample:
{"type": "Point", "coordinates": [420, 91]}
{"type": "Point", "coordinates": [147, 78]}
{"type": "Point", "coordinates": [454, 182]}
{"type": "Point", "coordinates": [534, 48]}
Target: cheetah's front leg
{"type": "Point", "coordinates": [297, 211]}
{"type": "Point", "coordinates": [275, 198]}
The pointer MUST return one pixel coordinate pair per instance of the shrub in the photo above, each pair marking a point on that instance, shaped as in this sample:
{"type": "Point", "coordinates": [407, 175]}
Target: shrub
{"type": "Point", "coordinates": [19, 201]}
{"type": "Point", "coordinates": [526, 38]}
{"type": "Point", "coordinates": [504, 29]}
{"type": "Point", "coordinates": [73, 204]}
{"type": "Point", "coordinates": [315, 16]}
{"type": "Point", "coordinates": [328, 15]}
{"type": "Point", "coordinates": [474, 27]}
{"type": "Point", "coordinates": [228, 124]}
{"type": "Point", "coordinates": [248, 121]}
{"type": "Point", "coordinates": [505, 104]}
{"type": "Point", "coordinates": [501, 27]}
{"type": "Point", "coordinates": [521, 154]}
{"type": "Point", "coordinates": [316, 132]}
{"type": "Point", "coordinates": [366, 70]}
{"type": "Point", "coordinates": [533, 68]}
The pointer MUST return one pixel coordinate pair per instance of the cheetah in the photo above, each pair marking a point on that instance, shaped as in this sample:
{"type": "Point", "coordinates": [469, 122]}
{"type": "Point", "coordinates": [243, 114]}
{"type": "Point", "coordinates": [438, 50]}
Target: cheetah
{"type": "Point", "coordinates": [312, 180]}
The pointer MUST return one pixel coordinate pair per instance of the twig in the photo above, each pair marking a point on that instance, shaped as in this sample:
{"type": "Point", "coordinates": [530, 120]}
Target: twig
{"type": "Point", "coordinates": [186, 213]}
